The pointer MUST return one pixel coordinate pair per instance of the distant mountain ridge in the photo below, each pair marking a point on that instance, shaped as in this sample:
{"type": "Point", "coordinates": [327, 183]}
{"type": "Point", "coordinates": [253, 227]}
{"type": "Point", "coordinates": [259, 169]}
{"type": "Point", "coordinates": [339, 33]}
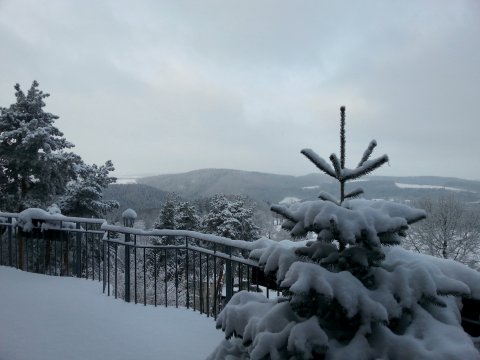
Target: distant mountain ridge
{"type": "Point", "coordinates": [273, 188]}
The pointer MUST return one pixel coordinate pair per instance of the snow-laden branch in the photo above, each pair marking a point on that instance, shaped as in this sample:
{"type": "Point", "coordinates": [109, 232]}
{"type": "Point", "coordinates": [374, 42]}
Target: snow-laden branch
{"type": "Point", "coordinates": [319, 162]}
{"type": "Point", "coordinates": [354, 193]}
{"type": "Point", "coordinates": [366, 168]}
{"type": "Point", "coordinates": [368, 152]}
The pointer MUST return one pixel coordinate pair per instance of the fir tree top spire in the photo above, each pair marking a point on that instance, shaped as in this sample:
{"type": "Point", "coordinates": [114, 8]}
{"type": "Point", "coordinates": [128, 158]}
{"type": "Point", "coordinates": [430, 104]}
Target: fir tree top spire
{"type": "Point", "coordinates": [339, 171]}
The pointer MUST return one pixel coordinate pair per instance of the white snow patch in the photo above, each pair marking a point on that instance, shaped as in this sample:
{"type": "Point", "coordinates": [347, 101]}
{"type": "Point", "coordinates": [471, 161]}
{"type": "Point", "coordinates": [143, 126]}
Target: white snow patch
{"type": "Point", "coordinates": [418, 186]}
{"type": "Point", "coordinates": [48, 220]}
{"type": "Point", "coordinates": [313, 187]}
{"type": "Point", "coordinates": [124, 181]}
{"type": "Point", "coordinates": [289, 200]}
{"type": "Point", "coordinates": [45, 317]}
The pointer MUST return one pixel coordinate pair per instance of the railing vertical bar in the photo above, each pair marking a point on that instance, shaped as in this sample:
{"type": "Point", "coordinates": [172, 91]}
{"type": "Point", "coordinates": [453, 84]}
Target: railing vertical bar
{"type": "Point", "coordinates": [85, 263]}
{"type": "Point", "coordinates": [93, 250]}
{"type": "Point", "coordinates": [155, 273]}
{"type": "Point", "coordinates": [208, 288]}
{"type": "Point", "coordinates": [1, 247]}
{"type": "Point", "coordinates": [101, 257]}
{"type": "Point", "coordinates": [186, 272]}
{"type": "Point", "coordinates": [104, 282]}
{"type": "Point", "coordinates": [176, 278]}
{"type": "Point", "coordinates": [135, 264]}
{"type": "Point", "coordinates": [228, 276]}
{"type": "Point", "coordinates": [44, 253]}
{"type": "Point", "coordinates": [37, 253]}
{"type": "Point", "coordinates": [26, 249]}
{"type": "Point", "coordinates": [78, 250]}
{"type": "Point", "coordinates": [194, 282]}
{"type": "Point", "coordinates": [240, 278]}
{"type": "Point", "coordinates": [10, 243]}
{"type": "Point", "coordinates": [56, 255]}
{"type": "Point", "coordinates": [256, 281]}
{"type": "Point", "coordinates": [126, 267]}
{"type": "Point", "coordinates": [67, 252]}
{"type": "Point", "coordinates": [165, 277]}
{"type": "Point", "coordinates": [215, 290]}
{"type": "Point", "coordinates": [201, 285]}
{"type": "Point", "coordinates": [108, 264]}
{"type": "Point", "coordinates": [144, 277]}
{"type": "Point", "coordinates": [116, 269]}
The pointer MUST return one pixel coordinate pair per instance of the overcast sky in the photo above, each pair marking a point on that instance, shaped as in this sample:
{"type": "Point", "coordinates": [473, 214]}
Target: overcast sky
{"type": "Point", "coordinates": [172, 86]}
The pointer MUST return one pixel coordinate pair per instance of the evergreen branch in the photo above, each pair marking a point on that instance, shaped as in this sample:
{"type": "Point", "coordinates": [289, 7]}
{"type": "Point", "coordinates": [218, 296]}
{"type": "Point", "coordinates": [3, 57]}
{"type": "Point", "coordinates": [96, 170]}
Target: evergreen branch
{"type": "Point", "coordinates": [334, 227]}
{"type": "Point", "coordinates": [367, 167]}
{"type": "Point", "coordinates": [325, 196]}
{"type": "Point", "coordinates": [336, 165]}
{"type": "Point", "coordinates": [319, 162]}
{"type": "Point", "coordinates": [281, 210]}
{"type": "Point", "coordinates": [416, 218]}
{"type": "Point", "coordinates": [367, 153]}
{"type": "Point", "coordinates": [354, 193]}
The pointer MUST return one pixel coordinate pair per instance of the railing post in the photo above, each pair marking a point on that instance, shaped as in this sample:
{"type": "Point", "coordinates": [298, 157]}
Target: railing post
{"type": "Point", "coordinates": [128, 216]}
{"type": "Point", "coordinates": [10, 249]}
{"type": "Point", "coordinates": [78, 250]}
{"type": "Point", "coordinates": [228, 276]}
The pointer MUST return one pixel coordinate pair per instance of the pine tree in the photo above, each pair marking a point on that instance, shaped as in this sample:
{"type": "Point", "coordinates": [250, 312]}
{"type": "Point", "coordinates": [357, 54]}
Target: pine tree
{"type": "Point", "coordinates": [34, 163]}
{"type": "Point", "coordinates": [84, 196]}
{"type": "Point", "coordinates": [231, 219]}
{"type": "Point", "coordinates": [186, 217]}
{"type": "Point", "coordinates": [166, 218]}
{"type": "Point", "coordinates": [35, 167]}
{"type": "Point", "coordinates": [351, 294]}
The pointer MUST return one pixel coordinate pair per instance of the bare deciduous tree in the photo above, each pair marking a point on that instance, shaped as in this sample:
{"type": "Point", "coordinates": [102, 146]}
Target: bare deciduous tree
{"type": "Point", "coordinates": [451, 230]}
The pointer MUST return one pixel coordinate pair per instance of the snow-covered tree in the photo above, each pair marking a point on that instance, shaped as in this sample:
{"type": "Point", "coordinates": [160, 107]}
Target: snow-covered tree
{"type": "Point", "coordinates": [34, 163]}
{"type": "Point", "coordinates": [36, 167]}
{"type": "Point", "coordinates": [451, 230]}
{"type": "Point", "coordinates": [350, 294]}
{"type": "Point", "coordinates": [186, 217]}
{"type": "Point", "coordinates": [83, 196]}
{"type": "Point", "coordinates": [166, 218]}
{"type": "Point", "coordinates": [231, 219]}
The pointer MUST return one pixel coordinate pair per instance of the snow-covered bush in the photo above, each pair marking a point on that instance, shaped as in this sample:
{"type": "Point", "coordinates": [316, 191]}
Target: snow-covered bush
{"type": "Point", "coordinates": [351, 294]}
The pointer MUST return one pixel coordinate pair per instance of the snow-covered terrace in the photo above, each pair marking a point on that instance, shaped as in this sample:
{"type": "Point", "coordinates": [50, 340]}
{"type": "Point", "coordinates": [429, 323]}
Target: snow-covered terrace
{"type": "Point", "coordinates": [51, 318]}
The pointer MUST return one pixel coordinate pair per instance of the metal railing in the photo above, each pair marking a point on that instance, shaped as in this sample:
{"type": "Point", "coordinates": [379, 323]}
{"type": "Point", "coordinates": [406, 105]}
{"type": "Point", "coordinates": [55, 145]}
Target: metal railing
{"type": "Point", "coordinates": [68, 246]}
{"type": "Point", "coordinates": [158, 267]}
{"type": "Point", "coordinates": [177, 268]}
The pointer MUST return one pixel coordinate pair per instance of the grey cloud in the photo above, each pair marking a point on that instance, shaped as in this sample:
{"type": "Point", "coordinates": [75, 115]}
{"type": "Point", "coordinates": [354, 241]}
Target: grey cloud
{"type": "Point", "coordinates": [161, 86]}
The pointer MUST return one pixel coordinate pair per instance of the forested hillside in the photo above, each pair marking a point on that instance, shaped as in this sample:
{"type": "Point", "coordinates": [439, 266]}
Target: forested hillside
{"type": "Point", "coordinates": [274, 188]}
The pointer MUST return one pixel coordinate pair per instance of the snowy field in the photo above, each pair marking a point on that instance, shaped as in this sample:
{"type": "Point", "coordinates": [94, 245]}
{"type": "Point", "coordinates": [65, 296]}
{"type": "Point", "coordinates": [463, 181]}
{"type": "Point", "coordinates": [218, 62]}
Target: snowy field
{"type": "Point", "coordinates": [44, 317]}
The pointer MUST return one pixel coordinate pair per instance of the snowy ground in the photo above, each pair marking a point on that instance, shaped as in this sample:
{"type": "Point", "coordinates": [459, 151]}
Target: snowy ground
{"type": "Point", "coordinates": [44, 317]}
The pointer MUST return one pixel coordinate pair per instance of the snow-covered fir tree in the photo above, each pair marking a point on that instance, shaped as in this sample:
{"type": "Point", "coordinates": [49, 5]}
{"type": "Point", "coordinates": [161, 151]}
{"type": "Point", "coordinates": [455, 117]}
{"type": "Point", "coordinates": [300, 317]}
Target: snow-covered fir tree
{"type": "Point", "coordinates": [230, 218]}
{"type": "Point", "coordinates": [83, 196]}
{"type": "Point", "coordinates": [186, 217]}
{"type": "Point", "coordinates": [36, 168]}
{"type": "Point", "coordinates": [352, 293]}
{"type": "Point", "coordinates": [166, 218]}
{"type": "Point", "coordinates": [175, 215]}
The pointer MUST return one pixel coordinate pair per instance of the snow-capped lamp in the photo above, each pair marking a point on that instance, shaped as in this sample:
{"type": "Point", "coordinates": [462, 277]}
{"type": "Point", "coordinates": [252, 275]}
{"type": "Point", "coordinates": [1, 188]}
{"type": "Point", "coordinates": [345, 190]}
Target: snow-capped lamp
{"type": "Point", "coordinates": [348, 295]}
{"type": "Point", "coordinates": [129, 217]}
